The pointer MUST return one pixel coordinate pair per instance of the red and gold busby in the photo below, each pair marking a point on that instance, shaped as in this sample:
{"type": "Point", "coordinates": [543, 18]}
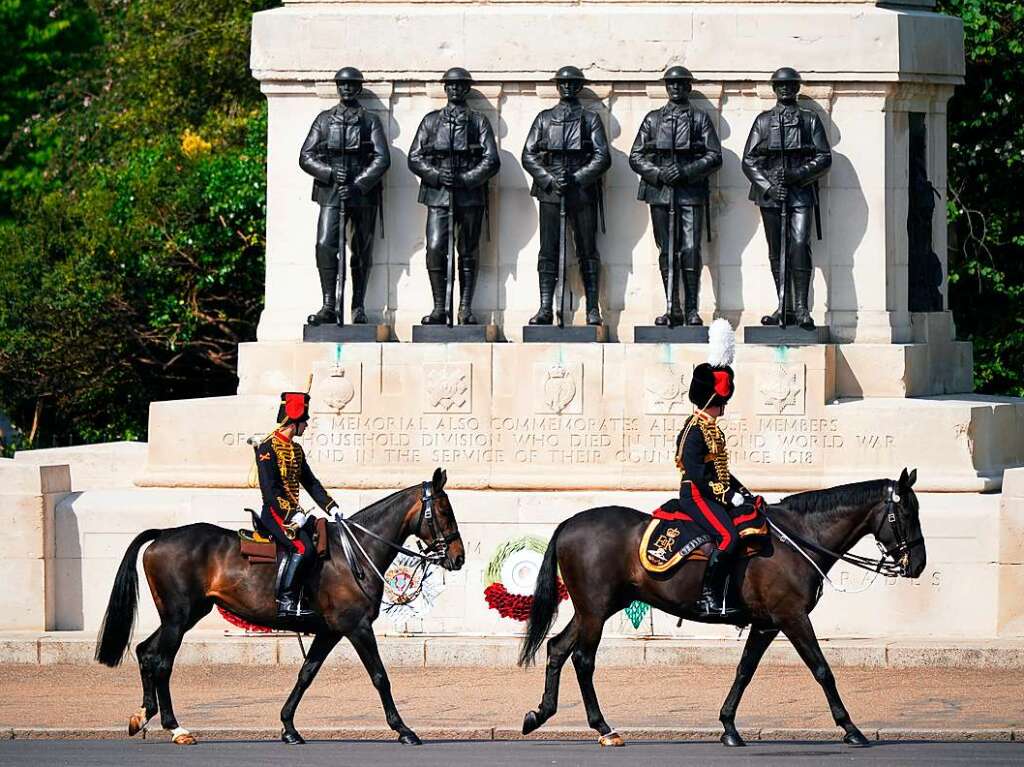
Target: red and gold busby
{"type": "Point", "coordinates": [712, 382]}
{"type": "Point", "coordinates": [294, 407]}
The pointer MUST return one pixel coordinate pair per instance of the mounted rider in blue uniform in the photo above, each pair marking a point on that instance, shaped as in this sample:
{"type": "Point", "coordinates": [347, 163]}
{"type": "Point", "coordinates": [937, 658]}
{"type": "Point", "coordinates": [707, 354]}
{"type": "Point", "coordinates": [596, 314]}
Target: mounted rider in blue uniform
{"type": "Point", "coordinates": [282, 470]}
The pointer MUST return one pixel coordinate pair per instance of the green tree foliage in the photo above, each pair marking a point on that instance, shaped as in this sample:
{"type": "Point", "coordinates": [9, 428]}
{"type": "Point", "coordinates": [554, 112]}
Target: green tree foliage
{"type": "Point", "coordinates": [986, 154]}
{"type": "Point", "coordinates": [45, 43]}
{"type": "Point", "coordinates": [135, 270]}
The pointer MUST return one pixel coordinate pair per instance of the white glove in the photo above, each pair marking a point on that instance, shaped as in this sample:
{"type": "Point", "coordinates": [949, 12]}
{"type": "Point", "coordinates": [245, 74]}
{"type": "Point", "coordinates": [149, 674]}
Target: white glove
{"type": "Point", "coordinates": [299, 519]}
{"type": "Point", "coordinates": [737, 500]}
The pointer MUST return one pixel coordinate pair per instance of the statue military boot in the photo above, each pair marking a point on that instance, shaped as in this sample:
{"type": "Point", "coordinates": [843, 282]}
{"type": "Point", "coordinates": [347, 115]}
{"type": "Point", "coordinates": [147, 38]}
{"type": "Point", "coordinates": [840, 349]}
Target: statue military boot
{"type": "Point", "coordinates": [328, 284]}
{"type": "Point", "coordinates": [289, 603]}
{"type": "Point", "coordinates": [591, 286]}
{"type": "Point", "coordinates": [774, 317]}
{"type": "Point", "coordinates": [360, 276]}
{"type": "Point", "coordinates": [675, 314]}
{"type": "Point", "coordinates": [467, 286]}
{"type": "Point", "coordinates": [438, 285]}
{"type": "Point", "coordinates": [691, 296]}
{"type": "Point", "coordinates": [801, 289]}
{"type": "Point", "coordinates": [544, 315]}
{"type": "Point", "coordinates": [716, 581]}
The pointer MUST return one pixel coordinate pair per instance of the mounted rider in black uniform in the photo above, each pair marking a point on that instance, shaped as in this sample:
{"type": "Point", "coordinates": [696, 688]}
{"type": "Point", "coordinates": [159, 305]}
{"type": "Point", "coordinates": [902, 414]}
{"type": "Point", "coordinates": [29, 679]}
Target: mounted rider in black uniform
{"type": "Point", "coordinates": [282, 470]}
{"type": "Point", "coordinates": [707, 489]}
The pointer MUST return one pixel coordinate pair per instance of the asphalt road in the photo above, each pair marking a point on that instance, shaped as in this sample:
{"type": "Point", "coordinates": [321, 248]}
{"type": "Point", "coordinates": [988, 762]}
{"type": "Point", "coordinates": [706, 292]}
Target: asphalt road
{"type": "Point", "coordinates": [84, 753]}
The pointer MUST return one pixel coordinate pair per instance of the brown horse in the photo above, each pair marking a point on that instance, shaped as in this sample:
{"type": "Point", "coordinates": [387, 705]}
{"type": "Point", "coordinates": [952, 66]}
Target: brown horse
{"type": "Point", "coordinates": [192, 568]}
{"type": "Point", "coordinates": [597, 553]}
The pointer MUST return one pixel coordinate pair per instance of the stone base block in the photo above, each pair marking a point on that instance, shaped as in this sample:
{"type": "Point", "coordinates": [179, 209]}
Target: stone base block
{"type": "Point", "coordinates": [791, 335]}
{"type": "Point", "coordinates": [661, 334]}
{"type": "Point", "coordinates": [578, 416]}
{"type": "Point", "coordinates": [347, 334]}
{"type": "Point", "coordinates": [574, 334]}
{"type": "Point", "coordinates": [456, 334]}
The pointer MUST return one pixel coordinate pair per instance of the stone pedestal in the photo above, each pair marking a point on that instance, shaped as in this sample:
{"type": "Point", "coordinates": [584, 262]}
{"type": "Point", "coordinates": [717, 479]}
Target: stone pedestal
{"type": "Point", "coordinates": [457, 334]}
{"type": "Point", "coordinates": [570, 334]}
{"type": "Point", "coordinates": [347, 334]}
{"type": "Point", "coordinates": [662, 334]}
{"type": "Point", "coordinates": [791, 335]}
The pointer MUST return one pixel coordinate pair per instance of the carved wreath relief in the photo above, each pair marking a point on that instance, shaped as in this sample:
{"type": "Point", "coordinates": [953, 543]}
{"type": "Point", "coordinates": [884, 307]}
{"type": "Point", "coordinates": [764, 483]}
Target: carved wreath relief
{"type": "Point", "coordinates": [558, 388]}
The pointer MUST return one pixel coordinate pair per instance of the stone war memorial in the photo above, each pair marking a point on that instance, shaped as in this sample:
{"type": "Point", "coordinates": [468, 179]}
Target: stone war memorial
{"type": "Point", "coordinates": [847, 365]}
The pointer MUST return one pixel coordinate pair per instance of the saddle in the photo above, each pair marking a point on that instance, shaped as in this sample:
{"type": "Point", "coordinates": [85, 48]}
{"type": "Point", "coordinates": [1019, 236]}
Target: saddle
{"type": "Point", "coordinates": [260, 549]}
{"type": "Point", "coordinates": [673, 537]}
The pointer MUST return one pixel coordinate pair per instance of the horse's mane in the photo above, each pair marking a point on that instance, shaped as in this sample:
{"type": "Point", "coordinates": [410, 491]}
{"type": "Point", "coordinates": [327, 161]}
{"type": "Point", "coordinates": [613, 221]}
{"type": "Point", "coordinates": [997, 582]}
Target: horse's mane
{"type": "Point", "coordinates": [835, 500]}
{"type": "Point", "coordinates": [375, 506]}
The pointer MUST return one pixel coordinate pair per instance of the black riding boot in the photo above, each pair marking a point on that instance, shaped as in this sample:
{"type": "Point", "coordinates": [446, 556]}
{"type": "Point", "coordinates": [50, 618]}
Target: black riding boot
{"type": "Point", "coordinates": [467, 286]}
{"type": "Point", "coordinates": [289, 603]}
{"type": "Point", "coordinates": [801, 289]}
{"type": "Point", "coordinates": [438, 286]}
{"type": "Point", "coordinates": [544, 315]}
{"type": "Point", "coordinates": [716, 582]}
{"type": "Point", "coordinates": [591, 287]}
{"type": "Point", "coordinates": [327, 313]}
{"type": "Point", "coordinates": [360, 276]}
{"type": "Point", "coordinates": [675, 315]}
{"type": "Point", "coordinates": [691, 296]}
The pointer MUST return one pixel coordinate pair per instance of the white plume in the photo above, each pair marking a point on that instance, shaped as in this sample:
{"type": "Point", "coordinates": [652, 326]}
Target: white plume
{"type": "Point", "coordinates": [721, 343]}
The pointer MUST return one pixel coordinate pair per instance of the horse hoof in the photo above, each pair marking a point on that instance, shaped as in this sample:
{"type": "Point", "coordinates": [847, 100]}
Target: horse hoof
{"type": "Point", "coordinates": [531, 722]}
{"type": "Point", "coordinates": [611, 740]}
{"type": "Point", "coordinates": [137, 722]}
{"type": "Point", "coordinates": [292, 738]}
{"type": "Point", "coordinates": [856, 739]}
{"type": "Point", "coordinates": [410, 739]}
{"type": "Point", "coordinates": [184, 739]}
{"type": "Point", "coordinates": [732, 739]}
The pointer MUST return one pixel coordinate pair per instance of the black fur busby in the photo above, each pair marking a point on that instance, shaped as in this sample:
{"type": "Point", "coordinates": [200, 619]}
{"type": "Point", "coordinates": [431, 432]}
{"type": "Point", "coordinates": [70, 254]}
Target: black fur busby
{"type": "Point", "coordinates": [294, 407]}
{"type": "Point", "coordinates": [712, 382]}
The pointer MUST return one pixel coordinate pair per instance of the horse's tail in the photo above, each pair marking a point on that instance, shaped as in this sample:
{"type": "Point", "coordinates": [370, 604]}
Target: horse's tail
{"type": "Point", "coordinates": [119, 620]}
{"type": "Point", "coordinates": [545, 602]}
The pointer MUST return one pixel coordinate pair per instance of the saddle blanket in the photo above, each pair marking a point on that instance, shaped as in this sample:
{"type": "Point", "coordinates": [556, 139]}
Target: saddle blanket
{"type": "Point", "coordinates": [672, 536]}
{"type": "Point", "coordinates": [260, 550]}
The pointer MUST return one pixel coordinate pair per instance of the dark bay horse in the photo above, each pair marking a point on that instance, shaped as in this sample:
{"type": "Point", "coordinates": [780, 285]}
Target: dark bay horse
{"type": "Point", "coordinates": [192, 568]}
{"type": "Point", "coordinates": [596, 552]}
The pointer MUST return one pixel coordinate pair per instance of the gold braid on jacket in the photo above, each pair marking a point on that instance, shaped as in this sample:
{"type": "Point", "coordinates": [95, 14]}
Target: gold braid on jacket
{"type": "Point", "coordinates": [717, 452]}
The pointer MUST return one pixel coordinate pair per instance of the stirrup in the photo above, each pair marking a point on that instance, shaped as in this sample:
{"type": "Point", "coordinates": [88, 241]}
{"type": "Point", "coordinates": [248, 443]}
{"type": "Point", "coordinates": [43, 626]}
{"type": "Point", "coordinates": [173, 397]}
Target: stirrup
{"type": "Point", "coordinates": [293, 608]}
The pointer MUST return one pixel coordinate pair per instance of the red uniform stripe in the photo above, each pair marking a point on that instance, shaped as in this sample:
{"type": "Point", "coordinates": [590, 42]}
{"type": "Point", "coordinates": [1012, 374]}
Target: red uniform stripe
{"type": "Point", "coordinates": [745, 518]}
{"type": "Point", "coordinates": [299, 546]}
{"type": "Point", "coordinates": [726, 536]}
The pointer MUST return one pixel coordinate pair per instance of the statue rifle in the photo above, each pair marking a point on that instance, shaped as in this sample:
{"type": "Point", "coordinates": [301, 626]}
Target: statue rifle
{"type": "Point", "coordinates": [671, 281]}
{"type": "Point", "coordinates": [561, 238]}
{"type": "Point", "coordinates": [450, 288]}
{"type": "Point", "coordinates": [339, 288]}
{"type": "Point", "coordinates": [783, 231]}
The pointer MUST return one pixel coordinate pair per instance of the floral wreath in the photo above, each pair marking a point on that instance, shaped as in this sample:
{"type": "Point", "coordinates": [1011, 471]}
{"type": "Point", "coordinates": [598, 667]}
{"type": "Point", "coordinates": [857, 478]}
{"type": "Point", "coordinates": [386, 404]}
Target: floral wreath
{"type": "Point", "coordinates": [512, 574]}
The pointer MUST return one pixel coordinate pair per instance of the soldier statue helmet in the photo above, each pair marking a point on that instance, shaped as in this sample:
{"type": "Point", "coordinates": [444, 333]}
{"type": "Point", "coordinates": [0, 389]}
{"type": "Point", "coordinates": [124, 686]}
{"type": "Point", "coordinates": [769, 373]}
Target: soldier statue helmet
{"type": "Point", "coordinates": [457, 75]}
{"type": "Point", "coordinates": [677, 73]}
{"type": "Point", "coordinates": [570, 74]}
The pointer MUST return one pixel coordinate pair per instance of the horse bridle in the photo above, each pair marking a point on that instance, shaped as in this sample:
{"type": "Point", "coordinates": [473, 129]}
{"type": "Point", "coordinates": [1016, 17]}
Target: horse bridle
{"type": "Point", "coordinates": [438, 543]}
{"type": "Point", "coordinates": [894, 561]}
{"type": "Point", "coordinates": [900, 552]}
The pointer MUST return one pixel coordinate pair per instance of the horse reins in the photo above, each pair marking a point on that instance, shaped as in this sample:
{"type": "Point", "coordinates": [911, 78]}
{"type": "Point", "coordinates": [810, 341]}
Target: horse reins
{"type": "Point", "coordinates": [888, 565]}
{"type": "Point", "coordinates": [436, 551]}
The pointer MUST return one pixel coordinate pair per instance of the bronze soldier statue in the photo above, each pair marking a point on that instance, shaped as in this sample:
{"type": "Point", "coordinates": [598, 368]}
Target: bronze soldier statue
{"type": "Point", "coordinates": [346, 153]}
{"type": "Point", "coordinates": [567, 152]}
{"type": "Point", "coordinates": [787, 152]}
{"type": "Point", "coordinates": [454, 154]}
{"type": "Point", "coordinates": [675, 151]}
